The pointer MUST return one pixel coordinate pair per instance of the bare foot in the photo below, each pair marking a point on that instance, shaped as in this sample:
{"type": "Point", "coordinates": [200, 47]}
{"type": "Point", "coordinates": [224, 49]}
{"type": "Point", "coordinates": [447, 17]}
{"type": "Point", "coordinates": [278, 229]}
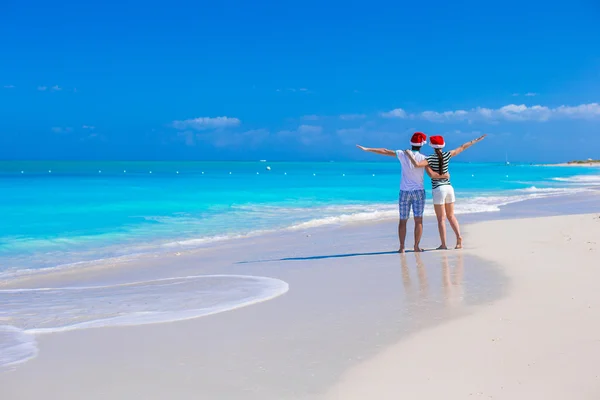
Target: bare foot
{"type": "Point", "coordinates": [401, 250]}
{"type": "Point", "coordinates": [418, 249]}
{"type": "Point", "coordinates": [459, 243]}
{"type": "Point", "coordinates": [442, 247]}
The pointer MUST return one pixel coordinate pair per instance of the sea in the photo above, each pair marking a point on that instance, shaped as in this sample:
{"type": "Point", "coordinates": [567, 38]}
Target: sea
{"type": "Point", "coordinates": [65, 214]}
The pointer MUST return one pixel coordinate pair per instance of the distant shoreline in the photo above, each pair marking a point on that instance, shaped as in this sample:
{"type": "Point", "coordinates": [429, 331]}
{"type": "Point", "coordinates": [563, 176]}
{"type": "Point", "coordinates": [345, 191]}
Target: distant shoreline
{"type": "Point", "coordinates": [578, 163]}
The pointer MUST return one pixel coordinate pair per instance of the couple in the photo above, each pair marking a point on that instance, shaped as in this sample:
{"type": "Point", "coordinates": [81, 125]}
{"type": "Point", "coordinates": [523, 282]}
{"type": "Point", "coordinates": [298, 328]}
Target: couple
{"type": "Point", "coordinates": [412, 191]}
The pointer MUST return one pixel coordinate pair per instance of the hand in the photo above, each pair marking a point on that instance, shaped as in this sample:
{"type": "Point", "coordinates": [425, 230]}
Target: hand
{"type": "Point", "coordinates": [446, 176]}
{"type": "Point", "coordinates": [362, 148]}
{"type": "Point", "coordinates": [480, 138]}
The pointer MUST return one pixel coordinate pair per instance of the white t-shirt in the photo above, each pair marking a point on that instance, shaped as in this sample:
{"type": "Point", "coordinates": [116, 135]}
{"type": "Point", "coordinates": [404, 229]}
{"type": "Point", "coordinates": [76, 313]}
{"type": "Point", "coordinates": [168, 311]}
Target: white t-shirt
{"type": "Point", "coordinates": [411, 177]}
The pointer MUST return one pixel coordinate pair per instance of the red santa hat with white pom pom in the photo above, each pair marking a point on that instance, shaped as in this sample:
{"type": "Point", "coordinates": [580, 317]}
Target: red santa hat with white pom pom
{"type": "Point", "coordinates": [418, 139]}
{"type": "Point", "coordinates": [437, 142]}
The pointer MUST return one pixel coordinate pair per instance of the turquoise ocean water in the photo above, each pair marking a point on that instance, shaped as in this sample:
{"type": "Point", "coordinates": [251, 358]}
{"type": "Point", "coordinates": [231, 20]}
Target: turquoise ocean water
{"type": "Point", "coordinates": [59, 213]}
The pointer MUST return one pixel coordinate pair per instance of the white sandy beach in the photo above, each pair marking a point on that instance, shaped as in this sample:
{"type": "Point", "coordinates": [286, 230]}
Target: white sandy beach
{"type": "Point", "coordinates": [542, 341]}
{"type": "Point", "coordinates": [588, 165]}
{"type": "Point", "coordinates": [512, 316]}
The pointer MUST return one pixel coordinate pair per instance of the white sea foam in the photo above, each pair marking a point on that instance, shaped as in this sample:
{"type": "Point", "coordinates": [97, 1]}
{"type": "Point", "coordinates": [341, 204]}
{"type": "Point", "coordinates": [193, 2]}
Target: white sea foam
{"type": "Point", "coordinates": [581, 179]}
{"type": "Point", "coordinates": [555, 191]}
{"type": "Point", "coordinates": [467, 206]}
{"type": "Point", "coordinates": [16, 346]}
{"type": "Point", "coordinates": [47, 310]}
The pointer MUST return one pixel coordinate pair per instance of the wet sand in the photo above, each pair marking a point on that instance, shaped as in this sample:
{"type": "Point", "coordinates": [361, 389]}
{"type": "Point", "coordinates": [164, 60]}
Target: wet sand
{"type": "Point", "coordinates": [353, 307]}
{"type": "Point", "coordinates": [541, 341]}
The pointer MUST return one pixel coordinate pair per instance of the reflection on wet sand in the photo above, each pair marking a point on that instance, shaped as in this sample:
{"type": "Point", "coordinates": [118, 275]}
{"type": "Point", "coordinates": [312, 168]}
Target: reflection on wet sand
{"type": "Point", "coordinates": [452, 277]}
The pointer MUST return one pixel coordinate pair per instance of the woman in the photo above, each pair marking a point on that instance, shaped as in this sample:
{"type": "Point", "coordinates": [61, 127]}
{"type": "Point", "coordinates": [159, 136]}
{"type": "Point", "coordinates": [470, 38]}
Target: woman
{"type": "Point", "coordinates": [443, 192]}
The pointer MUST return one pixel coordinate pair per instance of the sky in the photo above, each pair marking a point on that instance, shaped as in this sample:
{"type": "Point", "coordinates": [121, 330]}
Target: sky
{"type": "Point", "coordinates": [280, 80]}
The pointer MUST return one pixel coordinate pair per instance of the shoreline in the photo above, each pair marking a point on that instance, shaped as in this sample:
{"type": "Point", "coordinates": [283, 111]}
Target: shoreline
{"type": "Point", "coordinates": [351, 300]}
{"type": "Point", "coordinates": [568, 164]}
{"type": "Point", "coordinates": [8, 278]}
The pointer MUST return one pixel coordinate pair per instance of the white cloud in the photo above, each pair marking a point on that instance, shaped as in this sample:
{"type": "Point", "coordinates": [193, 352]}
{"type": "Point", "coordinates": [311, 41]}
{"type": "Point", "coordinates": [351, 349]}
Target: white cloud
{"type": "Point", "coordinates": [510, 112]}
{"type": "Point", "coordinates": [58, 129]}
{"type": "Point", "coordinates": [582, 111]}
{"type": "Point", "coordinates": [88, 127]}
{"type": "Point", "coordinates": [54, 88]}
{"type": "Point", "coordinates": [397, 113]}
{"type": "Point", "coordinates": [204, 123]}
{"type": "Point", "coordinates": [311, 117]}
{"type": "Point", "coordinates": [435, 116]}
{"type": "Point", "coordinates": [294, 90]}
{"type": "Point", "coordinates": [528, 94]}
{"type": "Point", "coordinates": [349, 117]}
{"type": "Point", "coordinates": [309, 129]}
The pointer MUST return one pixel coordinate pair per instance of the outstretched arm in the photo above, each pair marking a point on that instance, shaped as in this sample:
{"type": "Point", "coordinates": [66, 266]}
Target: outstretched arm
{"type": "Point", "coordinates": [383, 152]}
{"type": "Point", "coordinates": [417, 164]}
{"type": "Point", "coordinates": [465, 146]}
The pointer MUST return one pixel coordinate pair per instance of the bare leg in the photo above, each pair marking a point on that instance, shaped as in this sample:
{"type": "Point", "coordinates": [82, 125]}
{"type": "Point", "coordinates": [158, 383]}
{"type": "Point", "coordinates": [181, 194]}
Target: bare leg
{"type": "Point", "coordinates": [402, 234]}
{"type": "Point", "coordinates": [418, 233]}
{"type": "Point", "coordinates": [454, 224]}
{"type": "Point", "coordinates": [441, 219]}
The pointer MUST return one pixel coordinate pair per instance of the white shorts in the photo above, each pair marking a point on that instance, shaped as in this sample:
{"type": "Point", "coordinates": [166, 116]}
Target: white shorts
{"type": "Point", "coordinates": [443, 195]}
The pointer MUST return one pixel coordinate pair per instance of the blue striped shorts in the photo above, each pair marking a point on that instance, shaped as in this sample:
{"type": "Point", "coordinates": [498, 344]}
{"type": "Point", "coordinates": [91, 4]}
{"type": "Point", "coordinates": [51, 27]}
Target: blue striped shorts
{"type": "Point", "coordinates": [414, 199]}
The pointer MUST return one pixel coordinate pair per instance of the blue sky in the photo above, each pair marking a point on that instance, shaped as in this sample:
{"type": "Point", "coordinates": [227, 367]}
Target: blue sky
{"type": "Point", "coordinates": [297, 80]}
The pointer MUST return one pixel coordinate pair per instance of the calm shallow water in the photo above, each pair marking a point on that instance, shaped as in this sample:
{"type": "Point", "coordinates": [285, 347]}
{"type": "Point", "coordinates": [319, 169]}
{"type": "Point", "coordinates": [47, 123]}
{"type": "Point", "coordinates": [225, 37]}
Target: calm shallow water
{"type": "Point", "coordinates": [57, 213]}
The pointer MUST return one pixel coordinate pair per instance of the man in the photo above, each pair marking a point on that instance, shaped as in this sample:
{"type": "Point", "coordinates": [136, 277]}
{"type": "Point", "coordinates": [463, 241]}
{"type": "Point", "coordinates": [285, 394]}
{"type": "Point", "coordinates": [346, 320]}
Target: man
{"type": "Point", "coordinates": [412, 190]}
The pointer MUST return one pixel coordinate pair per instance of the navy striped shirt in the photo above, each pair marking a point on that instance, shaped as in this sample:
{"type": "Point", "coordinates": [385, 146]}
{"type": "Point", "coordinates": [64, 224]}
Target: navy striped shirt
{"type": "Point", "coordinates": [434, 163]}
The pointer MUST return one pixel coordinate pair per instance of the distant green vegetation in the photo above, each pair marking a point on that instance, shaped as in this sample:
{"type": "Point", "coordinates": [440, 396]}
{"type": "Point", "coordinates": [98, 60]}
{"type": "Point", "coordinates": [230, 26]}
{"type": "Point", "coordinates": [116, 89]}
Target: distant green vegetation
{"type": "Point", "coordinates": [588, 161]}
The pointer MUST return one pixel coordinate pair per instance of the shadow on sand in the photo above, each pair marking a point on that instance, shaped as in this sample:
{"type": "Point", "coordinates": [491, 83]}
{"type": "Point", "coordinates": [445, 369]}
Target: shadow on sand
{"type": "Point", "coordinates": [379, 253]}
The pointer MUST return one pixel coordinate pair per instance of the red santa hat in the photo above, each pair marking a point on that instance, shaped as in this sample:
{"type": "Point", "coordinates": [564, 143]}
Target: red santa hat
{"type": "Point", "coordinates": [437, 142]}
{"type": "Point", "coordinates": [418, 139]}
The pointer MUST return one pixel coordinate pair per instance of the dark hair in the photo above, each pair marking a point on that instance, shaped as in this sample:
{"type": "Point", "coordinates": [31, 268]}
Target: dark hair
{"type": "Point", "coordinates": [416, 148]}
{"type": "Point", "coordinates": [440, 161]}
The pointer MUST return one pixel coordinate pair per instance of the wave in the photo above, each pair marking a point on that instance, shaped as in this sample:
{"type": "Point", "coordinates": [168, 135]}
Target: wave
{"type": "Point", "coordinates": [472, 205]}
{"type": "Point", "coordinates": [29, 312]}
{"type": "Point", "coordinates": [557, 191]}
{"type": "Point", "coordinates": [16, 346]}
{"type": "Point", "coordinates": [581, 179]}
